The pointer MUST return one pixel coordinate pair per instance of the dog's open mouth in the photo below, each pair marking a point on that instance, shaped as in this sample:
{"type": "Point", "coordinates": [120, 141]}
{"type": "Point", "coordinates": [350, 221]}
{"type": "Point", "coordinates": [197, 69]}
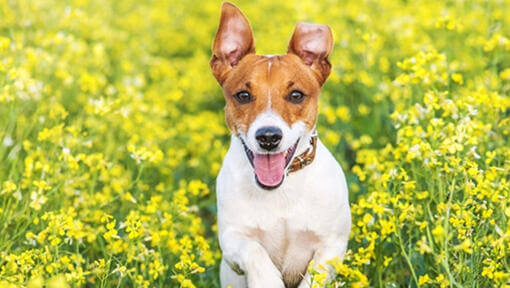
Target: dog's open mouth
{"type": "Point", "coordinates": [270, 168]}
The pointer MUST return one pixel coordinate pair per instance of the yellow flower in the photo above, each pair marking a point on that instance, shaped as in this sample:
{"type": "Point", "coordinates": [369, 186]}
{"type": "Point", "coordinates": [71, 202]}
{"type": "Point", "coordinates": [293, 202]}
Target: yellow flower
{"type": "Point", "coordinates": [57, 282]}
{"type": "Point", "coordinates": [363, 109]}
{"type": "Point", "coordinates": [442, 281]}
{"type": "Point", "coordinates": [438, 233]}
{"type": "Point", "coordinates": [387, 261]}
{"type": "Point", "coordinates": [8, 187]}
{"type": "Point", "coordinates": [457, 78]}
{"type": "Point", "coordinates": [423, 247]}
{"type": "Point", "coordinates": [343, 113]}
{"type": "Point", "coordinates": [424, 279]}
{"type": "Point", "coordinates": [4, 43]}
{"type": "Point", "coordinates": [466, 246]}
{"type": "Point", "coordinates": [387, 227]}
{"type": "Point", "coordinates": [505, 74]}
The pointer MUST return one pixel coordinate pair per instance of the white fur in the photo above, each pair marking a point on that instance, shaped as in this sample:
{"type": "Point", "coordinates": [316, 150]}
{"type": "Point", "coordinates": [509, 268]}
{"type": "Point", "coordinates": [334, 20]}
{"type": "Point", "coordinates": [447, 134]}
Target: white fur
{"type": "Point", "coordinates": [273, 234]}
{"type": "Point", "coordinates": [269, 118]}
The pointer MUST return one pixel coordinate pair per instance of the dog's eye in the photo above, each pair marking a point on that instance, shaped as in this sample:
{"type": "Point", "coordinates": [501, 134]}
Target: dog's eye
{"type": "Point", "coordinates": [243, 97]}
{"type": "Point", "coordinates": [296, 97]}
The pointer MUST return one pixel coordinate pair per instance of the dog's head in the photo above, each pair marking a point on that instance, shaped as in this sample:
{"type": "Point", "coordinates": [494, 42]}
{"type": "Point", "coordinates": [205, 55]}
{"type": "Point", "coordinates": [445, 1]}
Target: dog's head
{"type": "Point", "coordinates": [271, 101]}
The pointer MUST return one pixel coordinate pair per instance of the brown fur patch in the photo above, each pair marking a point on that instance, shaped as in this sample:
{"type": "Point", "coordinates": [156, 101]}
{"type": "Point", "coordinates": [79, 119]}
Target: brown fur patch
{"type": "Point", "coordinates": [270, 80]}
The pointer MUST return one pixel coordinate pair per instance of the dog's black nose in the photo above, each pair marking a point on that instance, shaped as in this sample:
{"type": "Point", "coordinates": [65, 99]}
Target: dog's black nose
{"type": "Point", "coordinates": [268, 137]}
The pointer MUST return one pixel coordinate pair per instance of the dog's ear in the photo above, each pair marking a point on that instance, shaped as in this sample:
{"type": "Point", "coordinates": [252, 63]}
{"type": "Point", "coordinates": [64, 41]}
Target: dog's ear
{"type": "Point", "coordinates": [232, 42]}
{"type": "Point", "coordinates": [313, 43]}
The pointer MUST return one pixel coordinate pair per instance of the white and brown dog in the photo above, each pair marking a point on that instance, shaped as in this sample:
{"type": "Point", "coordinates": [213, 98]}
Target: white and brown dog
{"type": "Point", "coordinates": [282, 196]}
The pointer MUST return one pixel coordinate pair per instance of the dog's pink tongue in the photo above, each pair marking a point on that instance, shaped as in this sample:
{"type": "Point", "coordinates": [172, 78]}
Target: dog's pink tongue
{"type": "Point", "coordinates": [269, 168]}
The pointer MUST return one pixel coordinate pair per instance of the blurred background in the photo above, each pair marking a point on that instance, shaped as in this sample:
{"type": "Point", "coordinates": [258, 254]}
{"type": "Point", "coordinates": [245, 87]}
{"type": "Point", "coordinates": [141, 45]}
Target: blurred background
{"type": "Point", "coordinates": [112, 133]}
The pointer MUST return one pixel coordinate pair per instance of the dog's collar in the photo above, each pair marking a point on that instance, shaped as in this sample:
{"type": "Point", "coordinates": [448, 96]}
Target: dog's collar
{"type": "Point", "coordinates": [306, 158]}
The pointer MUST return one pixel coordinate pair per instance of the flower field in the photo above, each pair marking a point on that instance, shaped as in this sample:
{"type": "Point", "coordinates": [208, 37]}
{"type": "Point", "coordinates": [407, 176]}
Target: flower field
{"type": "Point", "coordinates": [112, 133]}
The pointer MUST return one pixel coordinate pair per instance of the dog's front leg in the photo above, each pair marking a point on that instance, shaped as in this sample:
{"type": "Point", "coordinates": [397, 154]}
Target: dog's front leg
{"type": "Point", "coordinates": [334, 249]}
{"type": "Point", "coordinates": [245, 255]}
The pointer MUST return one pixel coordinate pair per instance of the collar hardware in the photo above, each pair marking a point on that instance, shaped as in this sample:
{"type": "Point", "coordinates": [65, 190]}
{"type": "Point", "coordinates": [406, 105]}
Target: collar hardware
{"type": "Point", "coordinates": [306, 158]}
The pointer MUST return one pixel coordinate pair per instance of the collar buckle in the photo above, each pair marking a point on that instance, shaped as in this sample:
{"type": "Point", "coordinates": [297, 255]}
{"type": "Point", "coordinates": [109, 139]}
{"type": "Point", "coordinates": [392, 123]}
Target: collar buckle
{"type": "Point", "coordinates": [306, 158]}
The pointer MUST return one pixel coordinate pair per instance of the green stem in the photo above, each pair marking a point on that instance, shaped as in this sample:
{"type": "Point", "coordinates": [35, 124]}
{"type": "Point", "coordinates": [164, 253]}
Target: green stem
{"type": "Point", "coordinates": [408, 260]}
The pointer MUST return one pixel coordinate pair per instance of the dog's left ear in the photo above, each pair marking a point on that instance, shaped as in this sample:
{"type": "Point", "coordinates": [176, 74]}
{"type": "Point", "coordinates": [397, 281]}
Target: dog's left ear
{"type": "Point", "coordinates": [313, 43]}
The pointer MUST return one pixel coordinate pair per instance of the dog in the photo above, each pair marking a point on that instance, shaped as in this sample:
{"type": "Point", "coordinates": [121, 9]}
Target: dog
{"type": "Point", "coordinates": [282, 197]}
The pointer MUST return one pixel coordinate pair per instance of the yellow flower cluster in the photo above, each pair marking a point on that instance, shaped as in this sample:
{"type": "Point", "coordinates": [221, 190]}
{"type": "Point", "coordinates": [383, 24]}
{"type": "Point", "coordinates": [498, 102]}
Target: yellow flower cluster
{"type": "Point", "coordinates": [112, 132]}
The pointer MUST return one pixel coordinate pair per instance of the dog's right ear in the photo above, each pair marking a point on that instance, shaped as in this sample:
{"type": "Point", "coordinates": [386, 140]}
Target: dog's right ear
{"type": "Point", "coordinates": [232, 42]}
